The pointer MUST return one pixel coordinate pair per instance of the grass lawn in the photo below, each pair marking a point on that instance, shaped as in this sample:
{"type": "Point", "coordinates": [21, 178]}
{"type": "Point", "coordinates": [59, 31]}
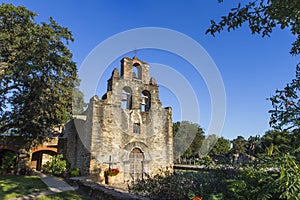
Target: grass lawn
{"type": "Point", "coordinates": [72, 195]}
{"type": "Point", "coordinates": [16, 186]}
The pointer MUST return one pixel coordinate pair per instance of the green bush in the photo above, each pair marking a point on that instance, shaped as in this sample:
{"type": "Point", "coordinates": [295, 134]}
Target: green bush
{"type": "Point", "coordinates": [75, 172]}
{"type": "Point", "coordinates": [274, 178]}
{"type": "Point", "coordinates": [8, 162]}
{"type": "Point", "coordinates": [184, 185]}
{"type": "Point", "coordinates": [286, 183]}
{"type": "Point", "coordinates": [57, 166]}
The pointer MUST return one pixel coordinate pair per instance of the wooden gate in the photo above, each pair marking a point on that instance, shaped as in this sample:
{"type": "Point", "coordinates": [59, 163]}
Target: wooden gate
{"type": "Point", "coordinates": [136, 158]}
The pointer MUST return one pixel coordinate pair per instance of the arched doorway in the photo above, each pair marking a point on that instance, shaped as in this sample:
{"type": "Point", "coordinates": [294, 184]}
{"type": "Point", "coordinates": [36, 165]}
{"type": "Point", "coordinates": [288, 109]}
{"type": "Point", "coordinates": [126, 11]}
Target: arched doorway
{"type": "Point", "coordinates": [136, 159]}
{"type": "Point", "coordinates": [39, 158]}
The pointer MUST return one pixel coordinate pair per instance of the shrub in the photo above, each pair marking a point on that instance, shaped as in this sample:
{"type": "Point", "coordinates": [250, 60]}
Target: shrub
{"type": "Point", "coordinates": [57, 166]}
{"type": "Point", "coordinates": [75, 172]}
{"type": "Point", "coordinates": [182, 185]}
{"type": "Point", "coordinates": [8, 162]}
{"type": "Point", "coordinates": [277, 177]}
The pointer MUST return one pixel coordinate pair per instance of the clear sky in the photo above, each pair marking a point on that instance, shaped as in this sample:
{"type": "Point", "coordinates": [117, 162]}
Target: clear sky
{"type": "Point", "coordinates": [252, 68]}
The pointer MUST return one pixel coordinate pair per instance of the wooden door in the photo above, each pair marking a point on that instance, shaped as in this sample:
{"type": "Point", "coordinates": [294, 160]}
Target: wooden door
{"type": "Point", "coordinates": [136, 158]}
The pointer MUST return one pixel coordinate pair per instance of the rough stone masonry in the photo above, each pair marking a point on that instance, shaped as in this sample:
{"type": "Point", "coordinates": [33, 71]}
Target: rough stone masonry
{"type": "Point", "coordinates": [127, 129]}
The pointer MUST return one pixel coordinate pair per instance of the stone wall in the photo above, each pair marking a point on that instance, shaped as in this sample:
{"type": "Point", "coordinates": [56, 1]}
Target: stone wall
{"type": "Point", "coordinates": [25, 154]}
{"type": "Point", "coordinates": [103, 136]}
{"type": "Point", "coordinates": [96, 191]}
{"type": "Point", "coordinates": [74, 149]}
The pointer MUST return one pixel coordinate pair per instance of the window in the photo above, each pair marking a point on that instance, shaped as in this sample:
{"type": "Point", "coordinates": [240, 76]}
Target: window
{"type": "Point", "coordinates": [145, 105]}
{"type": "Point", "coordinates": [137, 71]}
{"type": "Point", "coordinates": [136, 128]}
{"type": "Point", "coordinates": [126, 98]}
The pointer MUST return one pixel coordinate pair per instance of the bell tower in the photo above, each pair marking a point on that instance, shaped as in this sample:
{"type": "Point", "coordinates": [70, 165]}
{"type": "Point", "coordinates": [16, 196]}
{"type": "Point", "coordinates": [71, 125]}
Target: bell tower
{"type": "Point", "coordinates": [128, 128]}
{"type": "Point", "coordinates": [135, 70]}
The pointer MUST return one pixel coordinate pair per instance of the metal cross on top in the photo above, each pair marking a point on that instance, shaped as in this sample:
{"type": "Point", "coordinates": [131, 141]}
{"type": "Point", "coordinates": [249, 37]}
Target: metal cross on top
{"type": "Point", "coordinates": [135, 52]}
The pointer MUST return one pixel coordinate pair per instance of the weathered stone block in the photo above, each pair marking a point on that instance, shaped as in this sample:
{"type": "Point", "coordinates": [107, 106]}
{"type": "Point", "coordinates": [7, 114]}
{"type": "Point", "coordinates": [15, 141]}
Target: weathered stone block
{"type": "Point", "coordinates": [127, 129]}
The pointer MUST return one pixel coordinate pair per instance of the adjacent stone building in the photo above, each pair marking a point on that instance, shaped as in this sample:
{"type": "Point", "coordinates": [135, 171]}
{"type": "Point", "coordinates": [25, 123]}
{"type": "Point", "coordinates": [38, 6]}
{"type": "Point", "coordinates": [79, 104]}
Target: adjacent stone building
{"type": "Point", "coordinates": [27, 158]}
{"type": "Point", "coordinates": [127, 130]}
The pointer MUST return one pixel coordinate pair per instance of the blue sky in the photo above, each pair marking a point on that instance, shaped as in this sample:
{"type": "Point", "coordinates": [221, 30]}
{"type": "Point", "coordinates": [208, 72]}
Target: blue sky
{"type": "Point", "coordinates": [252, 68]}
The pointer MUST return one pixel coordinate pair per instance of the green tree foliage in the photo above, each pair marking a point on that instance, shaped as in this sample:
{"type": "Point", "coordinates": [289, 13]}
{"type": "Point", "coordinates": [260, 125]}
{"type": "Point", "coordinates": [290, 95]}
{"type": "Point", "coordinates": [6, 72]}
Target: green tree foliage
{"type": "Point", "coordinates": [78, 104]}
{"type": "Point", "coordinates": [274, 139]}
{"type": "Point", "coordinates": [278, 178]}
{"type": "Point", "coordinates": [207, 145]}
{"type": "Point", "coordinates": [36, 71]}
{"type": "Point", "coordinates": [188, 132]}
{"type": "Point", "coordinates": [222, 147]}
{"type": "Point", "coordinates": [295, 138]}
{"type": "Point", "coordinates": [262, 16]}
{"type": "Point", "coordinates": [287, 183]}
{"type": "Point", "coordinates": [8, 162]}
{"type": "Point", "coordinates": [239, 145]}
{"type": "Point", "coordinates": [255, 145]}
{"type": "Point", "coordinates": [285, 114]}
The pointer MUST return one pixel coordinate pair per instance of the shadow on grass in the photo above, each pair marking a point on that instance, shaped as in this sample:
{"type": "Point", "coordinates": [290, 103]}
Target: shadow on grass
{"type": "Point", "coordinates": [12, 186]}
{"type": "Point", "coordinates": [72, 195]}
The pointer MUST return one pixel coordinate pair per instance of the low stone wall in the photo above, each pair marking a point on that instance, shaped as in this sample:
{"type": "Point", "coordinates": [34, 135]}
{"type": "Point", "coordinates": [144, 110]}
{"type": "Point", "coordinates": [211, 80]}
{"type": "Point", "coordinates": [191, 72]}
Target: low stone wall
{"type": "Point", "coordinates": [97, 191]}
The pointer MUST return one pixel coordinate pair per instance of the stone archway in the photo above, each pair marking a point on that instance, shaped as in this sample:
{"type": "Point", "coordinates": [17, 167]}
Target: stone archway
{"type": "Point", "coordinates": [136, 168]}
{"type": "Point", "coordinates": [39, 158]}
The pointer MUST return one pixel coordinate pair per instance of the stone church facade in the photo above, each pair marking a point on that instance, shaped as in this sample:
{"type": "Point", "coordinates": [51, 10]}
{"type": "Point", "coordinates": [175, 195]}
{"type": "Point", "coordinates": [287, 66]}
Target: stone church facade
{"type": "Point", "coordinates": [126, 130]}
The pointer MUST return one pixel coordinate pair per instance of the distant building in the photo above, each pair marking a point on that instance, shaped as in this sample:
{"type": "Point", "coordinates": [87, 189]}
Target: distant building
{"type": "Point", "coordinates": [127, 129]}
{"type": "Point", "coordinates": [27, 158]}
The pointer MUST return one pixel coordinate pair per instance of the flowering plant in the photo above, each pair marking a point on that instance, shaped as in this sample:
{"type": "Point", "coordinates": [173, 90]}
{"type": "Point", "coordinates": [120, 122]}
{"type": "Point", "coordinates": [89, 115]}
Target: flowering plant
{"type": "Point", "coordinates": [111, 172]}
{"type": "Point", "coordinates": [197, 198]}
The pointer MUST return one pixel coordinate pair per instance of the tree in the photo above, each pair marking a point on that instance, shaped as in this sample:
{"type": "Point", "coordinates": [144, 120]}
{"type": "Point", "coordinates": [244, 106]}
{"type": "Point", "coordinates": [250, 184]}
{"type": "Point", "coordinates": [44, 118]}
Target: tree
{"type": "Point", "coordinates": [222, 147]}
{"type": "Point", "coordinates": [78, 104]}
{"type": "Point", "coordinates": [255, 145]}
{"type": "Point", "coordinates": [276, 140]}
{"type": "Point", "coordinates": [285, 114]}
{"type": "Point", "coordinates": [36, 71]}
{"type": "Point", "coordinates": [262, 16]}
{"type": "Point", "coordinates": [239, 145]}
{"type": "Point", "coordinates": [207, 145]}
{"type": "Point", "coordinates": [188, 131]}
